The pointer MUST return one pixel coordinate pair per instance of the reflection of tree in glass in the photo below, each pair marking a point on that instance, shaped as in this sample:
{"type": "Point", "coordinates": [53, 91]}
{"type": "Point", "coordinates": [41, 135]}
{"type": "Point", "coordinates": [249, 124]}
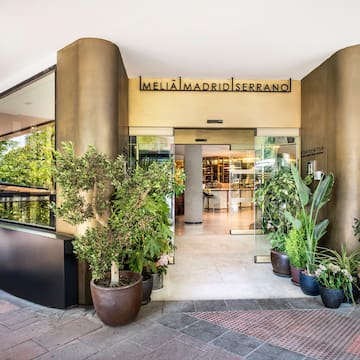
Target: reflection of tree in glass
{"type": "Point", "coordinates": [29, 163]}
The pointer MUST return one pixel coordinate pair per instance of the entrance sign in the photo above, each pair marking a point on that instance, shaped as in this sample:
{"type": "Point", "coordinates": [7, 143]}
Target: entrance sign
{"type": "Point", "coordinates": [230, 85]}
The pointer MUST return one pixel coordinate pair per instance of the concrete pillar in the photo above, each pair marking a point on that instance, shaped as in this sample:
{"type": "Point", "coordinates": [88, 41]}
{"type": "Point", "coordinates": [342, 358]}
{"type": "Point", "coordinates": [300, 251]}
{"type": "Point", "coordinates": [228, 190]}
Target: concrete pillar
{"type": "Point", "coordinates": [91, 108]}
{"type": "Point", "coordinates": [193, 207]}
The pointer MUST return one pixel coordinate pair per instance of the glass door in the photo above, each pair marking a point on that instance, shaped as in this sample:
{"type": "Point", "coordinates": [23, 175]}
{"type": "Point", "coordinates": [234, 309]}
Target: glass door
{"type": "Point", "coordinates": [271, 154]}
{"type": "Point", "coordinates": [241, 189]}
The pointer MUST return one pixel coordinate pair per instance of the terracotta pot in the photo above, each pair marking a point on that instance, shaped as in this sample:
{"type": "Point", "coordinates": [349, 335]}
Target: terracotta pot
{"type": "Point", "coordinates": [118, 306]}
{"type": "Point", "coordinates": [280, 263]}
{"type": "Point", "coordinates": [295, 275]}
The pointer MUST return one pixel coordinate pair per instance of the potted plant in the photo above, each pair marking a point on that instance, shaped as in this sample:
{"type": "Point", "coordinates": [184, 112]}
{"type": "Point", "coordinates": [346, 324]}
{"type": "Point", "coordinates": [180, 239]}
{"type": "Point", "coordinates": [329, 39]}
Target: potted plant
{"type": "Point", "coordinates": [275, 196]}
{"type": "Point", "coordinates": [295, 249]}
{"type": "Point", "coordinates": [153, 246]}
{"type": "Point", "coordinates": [106, 200]}
{"type": "Point", "coordinates": [335, 276]}
{"type": "Point", "coordinates": [309, 221]}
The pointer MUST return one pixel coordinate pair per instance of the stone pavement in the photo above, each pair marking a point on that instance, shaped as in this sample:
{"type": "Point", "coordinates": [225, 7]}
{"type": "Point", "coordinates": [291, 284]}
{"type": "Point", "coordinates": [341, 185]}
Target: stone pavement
{"type": "Point", "coordinates": [286, 329]}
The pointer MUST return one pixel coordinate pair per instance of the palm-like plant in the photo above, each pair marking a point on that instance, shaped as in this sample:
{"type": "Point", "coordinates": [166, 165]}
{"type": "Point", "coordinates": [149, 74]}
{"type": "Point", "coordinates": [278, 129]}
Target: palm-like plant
{"type": "Point", "coordinates": [310, 208]}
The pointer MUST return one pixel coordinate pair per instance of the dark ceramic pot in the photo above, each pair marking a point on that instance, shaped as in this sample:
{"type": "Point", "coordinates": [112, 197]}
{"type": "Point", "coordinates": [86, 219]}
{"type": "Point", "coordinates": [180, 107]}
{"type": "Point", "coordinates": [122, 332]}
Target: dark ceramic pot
{"type": "Point", "coordinates": [295, 275]}
{"type": "Point", "coordinates": [147, 288]}
{"type": "Point", "coordinates": [331, 298]}
{"type": "Point", "coordinates": [158, 281]}
{"type": "Point", "coordinates": [309, 284]}
{"type": "Point", "coordinates": [280, 263]}
{"type": "Point", "coordinates": [118, 306]}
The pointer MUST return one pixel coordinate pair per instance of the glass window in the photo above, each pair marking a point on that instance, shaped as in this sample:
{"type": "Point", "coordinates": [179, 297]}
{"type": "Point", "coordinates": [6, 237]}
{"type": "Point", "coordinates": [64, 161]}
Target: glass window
{"type": "Point", "coordinates": [27, 141]}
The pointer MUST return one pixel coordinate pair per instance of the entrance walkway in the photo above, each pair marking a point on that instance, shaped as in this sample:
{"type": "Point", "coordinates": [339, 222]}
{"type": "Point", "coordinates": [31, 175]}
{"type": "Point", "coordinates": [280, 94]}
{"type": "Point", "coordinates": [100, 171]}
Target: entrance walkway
{"type": "Point", "coordinates": [212, 264]}
{"type": "Point", "coordinates": [288, 329]}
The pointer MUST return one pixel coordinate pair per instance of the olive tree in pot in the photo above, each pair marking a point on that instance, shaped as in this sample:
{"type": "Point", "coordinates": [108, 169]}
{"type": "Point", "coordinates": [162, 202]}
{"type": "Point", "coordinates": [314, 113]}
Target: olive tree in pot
{"type": "Point", "coordinates": [277, 195]}
{"type": "Point", "coordinates": [105, 199]}
{"type": "Point", "coordinates": [314, 228]}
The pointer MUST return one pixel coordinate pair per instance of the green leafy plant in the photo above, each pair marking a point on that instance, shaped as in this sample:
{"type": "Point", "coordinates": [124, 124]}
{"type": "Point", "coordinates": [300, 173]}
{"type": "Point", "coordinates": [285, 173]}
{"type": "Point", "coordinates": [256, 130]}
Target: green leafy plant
{"type": "Point", "coordinates": [152, 233]}
{"type": "Point", "coordinates": [295, 248]}
{"type": "Point", "coordinates": [114, 206]}
{"type": "Point", "coordinates": [277, 195]}
{"type": "Point", "coordinates": [309, 213]}
{"type": "Point", "coordinates": [338, 270]}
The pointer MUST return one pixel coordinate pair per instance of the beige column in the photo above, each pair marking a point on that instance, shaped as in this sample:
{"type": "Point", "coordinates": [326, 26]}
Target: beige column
{"type": "Point", "coordinates": [347, 144]}
{"type": "Point", "coordinates": [193, 204]}
{"type": "Point", "coordinates": [330, 128]}
{"type": "Point", "coordinates": [91, 108]}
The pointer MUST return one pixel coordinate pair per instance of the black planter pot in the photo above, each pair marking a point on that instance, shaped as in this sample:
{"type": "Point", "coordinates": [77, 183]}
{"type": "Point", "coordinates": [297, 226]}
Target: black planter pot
{"type": "Point", "coordinates": [280, 263]}
{"type": "Point", "coordinates": [147, 288]}
{"type": "Point", "coordinates": [331, 298]}
{"type": "Point", "coordinates": [309, 284]}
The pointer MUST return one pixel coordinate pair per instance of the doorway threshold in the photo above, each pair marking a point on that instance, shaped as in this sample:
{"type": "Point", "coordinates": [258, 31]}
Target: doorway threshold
{"type": "Point", "coordinates": [245, 232]}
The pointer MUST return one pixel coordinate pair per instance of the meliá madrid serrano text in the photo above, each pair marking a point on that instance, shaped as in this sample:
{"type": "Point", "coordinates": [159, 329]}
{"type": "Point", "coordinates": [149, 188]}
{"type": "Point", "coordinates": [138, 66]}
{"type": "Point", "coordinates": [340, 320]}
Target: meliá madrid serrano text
{"type": "Point", "coordinates": [230, 85]}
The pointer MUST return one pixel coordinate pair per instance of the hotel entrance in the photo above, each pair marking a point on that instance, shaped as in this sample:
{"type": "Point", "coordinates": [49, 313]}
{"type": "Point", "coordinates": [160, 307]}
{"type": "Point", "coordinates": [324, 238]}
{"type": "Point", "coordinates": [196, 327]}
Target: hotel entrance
{"type": "Point", "coordinates": [228, 242]}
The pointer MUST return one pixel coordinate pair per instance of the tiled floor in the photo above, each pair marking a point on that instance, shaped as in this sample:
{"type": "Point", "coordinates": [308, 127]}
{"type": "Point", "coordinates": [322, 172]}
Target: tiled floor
{"type": "Point", "coordinates": [294, 328]}
{"type": "Point", "coordinates": [219, 305]}
{"type": "Point", "coordinates": [212, 264]}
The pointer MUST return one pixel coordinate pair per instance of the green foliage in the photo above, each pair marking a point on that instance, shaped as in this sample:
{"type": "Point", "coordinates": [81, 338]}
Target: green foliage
{"type": "Point", "coordinates": [277, 195]}
{"type": "Point", "coordinates": [150, 225]}
{"type": "Point", "coordinates": [124, 210]}
{"type": "Point", "coordinates": [309, 214]}
{"type": "Point", "coordinates": [295, 247]}
{"type": "Point", "coordinates": [356, 227]}
{"type": "Point", "coordinates": [31, 164]}
{"type": "Point", "coordinates": [338, 270]}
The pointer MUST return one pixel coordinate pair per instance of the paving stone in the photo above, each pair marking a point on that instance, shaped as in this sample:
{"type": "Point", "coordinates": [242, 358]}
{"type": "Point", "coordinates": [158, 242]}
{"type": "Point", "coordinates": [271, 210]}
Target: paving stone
{"type": "Point", "coordinates": [210, 305]}
{"type": "Point", "coordinates": [237, 343]}
{"type": "Point", "coordinates": [204, 331]}
{"type": "Point", "coordinates": [176, 321]}
{"type": "Point", "coordinates": [24, 351]}
{"type": "Point", "coordinates": [179, 306]}
{"type": "Point", "coordinates": [174, 350]}
{"type": "Point", "coordinates": [270, 352]}
{"type": "Point", "coordinates": [21, 335]}
{"type": "Point", "coordinates": [274, 304]}
{"type": "Point", "coordinates": [219, 354]}
{"type": "Point", "coordinates": [6, 307]}
{"type": "Point", "coordinates": [124, 350]}
{"type": "Point", "coordinates": [15, 319]}
{"type": "Point", "coordinates": [309, 302]}
{"type": "Point", "coordinates": [68, 332]}
{"type": "Point", "coordinates": [107, 336]}
{"type": "Point", "coordinates": [75, 350]}
{"type": "Point", "coordinates": [355, 313]}
{"type": "Point", "coordinates": [243, 305]}
{"type": "Point", "coordinates": [152, 310]}
{"type": "Point", "coordinates": [154, 336]}
{"type": "Point", "coordinates": [189, 340]}
{"type": "Point", "coordinates": [4, 330]}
